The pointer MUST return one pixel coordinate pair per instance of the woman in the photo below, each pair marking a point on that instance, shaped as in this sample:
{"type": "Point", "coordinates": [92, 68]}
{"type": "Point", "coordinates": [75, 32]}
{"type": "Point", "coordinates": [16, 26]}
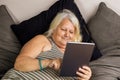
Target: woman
{"type": "Point", "coordinates": [45, 52]}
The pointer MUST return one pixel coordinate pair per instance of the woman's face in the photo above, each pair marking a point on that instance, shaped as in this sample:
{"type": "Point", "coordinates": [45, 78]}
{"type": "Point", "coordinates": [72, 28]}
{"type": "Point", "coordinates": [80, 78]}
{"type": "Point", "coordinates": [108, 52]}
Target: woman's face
{"type": "Point", "coordinates": [64, 33]}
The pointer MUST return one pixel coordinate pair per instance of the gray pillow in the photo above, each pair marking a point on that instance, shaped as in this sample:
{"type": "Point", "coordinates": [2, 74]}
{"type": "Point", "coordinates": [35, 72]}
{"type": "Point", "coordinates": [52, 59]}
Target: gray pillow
{"type": "Point", "coordinates": [104, 28]}
{"type": "Point", "coordinates": [9, 45]}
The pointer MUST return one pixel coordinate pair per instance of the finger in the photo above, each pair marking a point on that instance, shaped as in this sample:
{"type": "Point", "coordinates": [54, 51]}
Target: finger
{"type": "Point", "coordinates": [83, 73]}
{"type": "Point", "coordinates": [86, 68]}
{"type": "Point", "coordinates": [80, 79]}
{"type": "Point", "coordinates": [82, 76]}
{"type": "Point", "coordinates": [56, 63]}
{"type": "Point", "coordinates": [51, 63]}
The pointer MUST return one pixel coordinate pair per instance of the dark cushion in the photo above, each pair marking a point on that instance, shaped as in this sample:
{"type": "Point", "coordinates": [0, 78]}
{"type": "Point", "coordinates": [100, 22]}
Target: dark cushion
{"type": "Point", "coordinates": [9, 45]}
{"type": "Point", "coordinates": [40, 23]}
{"type": "Point", "coordinates": [104, 28]}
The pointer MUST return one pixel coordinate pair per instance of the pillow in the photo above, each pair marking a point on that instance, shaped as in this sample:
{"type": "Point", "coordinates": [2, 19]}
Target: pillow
{"type": "Point", "coordinates": [9, 45]}
{"type": "Point", "coordinates": [104, 29]}
{"type": "Point", "coordinates": [40, 23]}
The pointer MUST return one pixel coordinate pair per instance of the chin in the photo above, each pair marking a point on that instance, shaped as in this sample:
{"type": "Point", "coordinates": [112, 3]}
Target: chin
{"type": "Point", "coordinates": [64, 43]}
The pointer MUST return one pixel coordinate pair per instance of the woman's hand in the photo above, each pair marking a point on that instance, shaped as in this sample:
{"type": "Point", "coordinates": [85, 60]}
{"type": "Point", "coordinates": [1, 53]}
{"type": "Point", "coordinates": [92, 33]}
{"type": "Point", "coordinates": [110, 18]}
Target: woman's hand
{"type": "Point", "coordinates": [84, 73]}
{"type": "Point", "coordinates": [55, 64]}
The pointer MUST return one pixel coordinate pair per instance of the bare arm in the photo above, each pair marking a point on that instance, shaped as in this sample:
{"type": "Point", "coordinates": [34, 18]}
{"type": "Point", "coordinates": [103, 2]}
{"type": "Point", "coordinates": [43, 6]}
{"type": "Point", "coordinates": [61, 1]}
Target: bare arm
{"type": "Point", "coordinates": [26, 60]}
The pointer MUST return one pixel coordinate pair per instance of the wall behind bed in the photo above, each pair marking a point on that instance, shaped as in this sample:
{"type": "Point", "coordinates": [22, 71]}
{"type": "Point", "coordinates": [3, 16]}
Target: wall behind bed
{"type": "Point", "coordinates": [24, 9]}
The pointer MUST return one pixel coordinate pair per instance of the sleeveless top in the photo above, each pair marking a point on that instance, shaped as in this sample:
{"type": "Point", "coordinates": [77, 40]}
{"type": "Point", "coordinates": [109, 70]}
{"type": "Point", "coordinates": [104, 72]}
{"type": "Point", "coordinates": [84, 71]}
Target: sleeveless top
{"type": "Point", "coordinates": [45, 74]}
{"type": "Point", "coordinates": [53, 53]}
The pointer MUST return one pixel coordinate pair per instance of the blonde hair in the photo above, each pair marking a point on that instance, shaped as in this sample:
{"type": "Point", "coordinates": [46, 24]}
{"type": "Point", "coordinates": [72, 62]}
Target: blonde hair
{"type": "Point", "coordinates": [57, 20]}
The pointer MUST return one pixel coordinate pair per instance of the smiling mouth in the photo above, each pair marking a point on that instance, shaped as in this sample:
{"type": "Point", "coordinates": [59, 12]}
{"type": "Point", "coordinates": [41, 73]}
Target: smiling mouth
{"type": "Point", "coordinates": [66, 39]}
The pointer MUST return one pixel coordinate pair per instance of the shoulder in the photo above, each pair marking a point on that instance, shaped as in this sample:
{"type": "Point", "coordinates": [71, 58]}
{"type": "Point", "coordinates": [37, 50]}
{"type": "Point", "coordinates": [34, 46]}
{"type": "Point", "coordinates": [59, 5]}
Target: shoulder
{"type": "Point", "coordinates": [39, 39]}
{"type": "Point", "coordinates": [43, 41]}
{"type": "Point", "coordinates": [40, 36]}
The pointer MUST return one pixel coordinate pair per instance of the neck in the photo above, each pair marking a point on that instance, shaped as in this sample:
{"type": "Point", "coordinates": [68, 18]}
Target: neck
{"type": "Point", "coordinates": [60, 47]}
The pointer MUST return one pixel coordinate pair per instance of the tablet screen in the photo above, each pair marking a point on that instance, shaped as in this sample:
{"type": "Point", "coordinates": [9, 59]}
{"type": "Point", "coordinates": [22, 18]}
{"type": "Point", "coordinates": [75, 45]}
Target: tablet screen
{"type": "Point", "coordinates": [76, 55]}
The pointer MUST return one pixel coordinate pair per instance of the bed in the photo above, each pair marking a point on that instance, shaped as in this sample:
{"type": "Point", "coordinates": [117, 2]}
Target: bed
{"type": "Point", "coordinates": [19, 23]}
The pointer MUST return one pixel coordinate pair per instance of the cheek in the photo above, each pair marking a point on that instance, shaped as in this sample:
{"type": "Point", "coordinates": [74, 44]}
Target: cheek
{"type": "Point", "coordinates": [59, 32]}
{"type": "Point", "coordinates": [56, 34]}
{"type": "Point", "coordinates": [72, 36]}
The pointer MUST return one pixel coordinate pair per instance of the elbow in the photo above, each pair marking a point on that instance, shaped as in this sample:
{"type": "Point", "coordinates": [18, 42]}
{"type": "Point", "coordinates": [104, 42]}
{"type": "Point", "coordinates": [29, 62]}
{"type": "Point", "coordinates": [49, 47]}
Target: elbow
{"type": "Point", "coordinates": [21, 64]}
{"type": "Point", "coordinates": [18, 66]}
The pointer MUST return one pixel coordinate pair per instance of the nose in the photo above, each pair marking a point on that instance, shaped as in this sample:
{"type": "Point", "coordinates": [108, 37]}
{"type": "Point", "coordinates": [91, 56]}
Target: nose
{"type": "Point", "coordinates": [67, 33]}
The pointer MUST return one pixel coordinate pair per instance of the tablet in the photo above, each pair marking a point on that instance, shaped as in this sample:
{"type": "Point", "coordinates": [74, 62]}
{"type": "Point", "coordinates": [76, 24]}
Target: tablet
{"type": "Point", "coordinates": [76, 55]}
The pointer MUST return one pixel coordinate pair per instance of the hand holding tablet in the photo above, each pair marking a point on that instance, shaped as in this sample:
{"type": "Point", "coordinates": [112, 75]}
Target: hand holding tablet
{"type": "Point", "coordinates": [76, 55]}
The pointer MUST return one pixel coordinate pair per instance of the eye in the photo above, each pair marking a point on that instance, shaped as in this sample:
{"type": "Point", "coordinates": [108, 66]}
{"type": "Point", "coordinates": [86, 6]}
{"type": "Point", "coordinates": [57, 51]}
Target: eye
{"type": "Point", "coordinates": [71, 32]}
{"type": "Point", "coordinates": [63, 29]}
